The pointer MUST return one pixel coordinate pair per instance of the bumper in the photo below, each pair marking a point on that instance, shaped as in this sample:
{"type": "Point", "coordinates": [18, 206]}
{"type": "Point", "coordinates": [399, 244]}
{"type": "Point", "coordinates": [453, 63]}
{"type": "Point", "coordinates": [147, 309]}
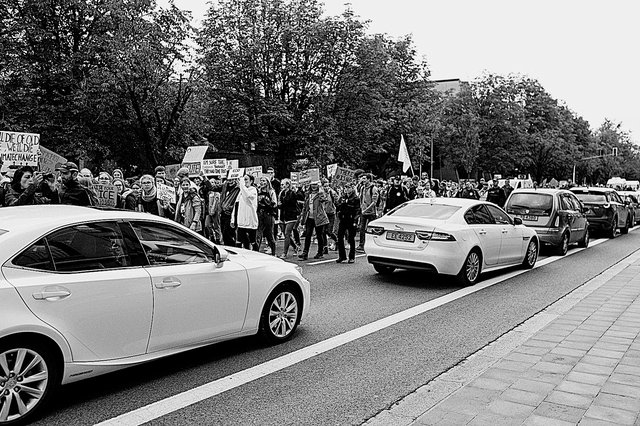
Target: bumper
{"type": "Point", "coordinates": [549, 236]}
{"type": "Point", "coordinates": [599, 223]}
{"type": "Point", "coordinates": [440, 257]}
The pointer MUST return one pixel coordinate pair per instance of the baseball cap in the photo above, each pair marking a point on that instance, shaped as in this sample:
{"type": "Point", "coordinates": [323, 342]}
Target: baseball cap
{"type": "Point", "coordinates": [69, 166]}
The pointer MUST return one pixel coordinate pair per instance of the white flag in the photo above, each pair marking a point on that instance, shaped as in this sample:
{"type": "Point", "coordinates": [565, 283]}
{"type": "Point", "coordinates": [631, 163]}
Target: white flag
{"type": "Point", "coordinates": [403, 155]}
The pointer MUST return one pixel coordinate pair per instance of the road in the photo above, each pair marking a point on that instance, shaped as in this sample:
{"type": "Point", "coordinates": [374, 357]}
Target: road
{"type": "Point", "coordinates": [359, 377]}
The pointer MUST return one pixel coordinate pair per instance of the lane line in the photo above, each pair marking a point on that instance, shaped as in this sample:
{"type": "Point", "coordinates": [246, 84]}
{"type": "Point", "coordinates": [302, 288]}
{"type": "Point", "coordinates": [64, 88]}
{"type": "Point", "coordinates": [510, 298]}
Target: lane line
{"type": "Point", "coordinates": [184, 399]}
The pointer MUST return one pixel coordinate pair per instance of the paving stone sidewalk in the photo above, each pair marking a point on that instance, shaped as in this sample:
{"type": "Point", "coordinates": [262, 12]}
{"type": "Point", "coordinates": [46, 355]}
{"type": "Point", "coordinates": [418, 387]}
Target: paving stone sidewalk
{"type": "Point", "coordinates": [576, 362]}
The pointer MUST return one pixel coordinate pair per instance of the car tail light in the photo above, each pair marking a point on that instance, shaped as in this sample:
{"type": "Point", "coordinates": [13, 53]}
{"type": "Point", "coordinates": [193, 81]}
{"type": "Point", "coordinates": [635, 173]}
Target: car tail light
{"type": "Point", "coordinates": [375, 230]}
{"type": "Point", "coordinates": [606, 206]}
{"type": "Point", "coordinates": [434, 236]}
{"type": "Point", "coordinates": [557, 221]}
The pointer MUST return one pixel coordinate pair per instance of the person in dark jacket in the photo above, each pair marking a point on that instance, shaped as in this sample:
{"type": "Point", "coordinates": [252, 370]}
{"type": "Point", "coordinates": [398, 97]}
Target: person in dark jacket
{"type": "Point", "coordinates": [228, 195]}
{"type": "Point", "coordinates": [71, 192]}
{"type": "Point", "coordinates": [496, 195]}
{"type": "Point", "coordinates": [396, 194]}
{"type": "Point", "coordinates": [468, 192]}
{"type": "Point", "coordinates": [289, 211]}
{"type": "Point", "coordinates": [347, 209]}
{"type": "Point", "coordinates": [25, 188]}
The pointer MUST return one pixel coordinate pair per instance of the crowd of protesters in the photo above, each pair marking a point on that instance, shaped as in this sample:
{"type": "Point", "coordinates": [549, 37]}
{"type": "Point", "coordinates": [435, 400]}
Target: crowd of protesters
{"type": "Point", "coordinates": [245, 212]}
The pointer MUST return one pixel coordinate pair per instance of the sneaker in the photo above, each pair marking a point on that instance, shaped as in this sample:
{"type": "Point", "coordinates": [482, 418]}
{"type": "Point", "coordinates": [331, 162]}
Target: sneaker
{"type": "Point", "coordinates": [340, 260]}
{"type": "Point", "coordinates": [351, 261]}
{"type": "Point", "coordinates": [360, 249]}
{"type": "Point", "coordinates": [302, 256]}
{"type": "Point", "coordinates": [282, 256]}
{"type": "Point", "coordinates": [319, 256]}
{"type": "Point", "coordinates": [332, 247]}
{"type": "Point", "coordinates": [326, 250]}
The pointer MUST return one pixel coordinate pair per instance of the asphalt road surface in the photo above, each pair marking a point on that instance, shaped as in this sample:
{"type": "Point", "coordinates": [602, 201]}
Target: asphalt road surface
{"type": "Point", "coordinates": [359, 377]}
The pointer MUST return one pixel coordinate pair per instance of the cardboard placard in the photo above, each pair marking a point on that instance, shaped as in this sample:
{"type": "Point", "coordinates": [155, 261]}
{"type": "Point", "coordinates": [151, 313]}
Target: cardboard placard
{"type": "Point", "coordinates": [308, 176]}
{"type": "Point", "coordinates": [167, 193]}
{"type": "Point", "coordinates": [195, 154]}
{"type": "Point", "coordinates": [215, 166]}
{"type": "Point", "coordinates": [232, 164]}
{"type": "Point", "coordinates": [194, 168]}
{"type": "Point", "coordinates": [20, 149]}
{"type": "Point", "coordinates": [107, 194]}
{"type": "Point", "coordinates": [294, 177]}
{"type": "Point", "coordinates": [254, 170]}
{"type": "Point", "coordinates": [49, 161]}
{"type": "Point", "coordinates": [342, 176]}
{"type": "Point", "coordinates": [331, 169]}
{"type": "Point", "coordinates": [236, 173]}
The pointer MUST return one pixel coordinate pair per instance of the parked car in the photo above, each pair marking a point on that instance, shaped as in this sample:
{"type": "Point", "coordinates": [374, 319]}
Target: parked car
{"type": "Point", "coordinates": [85, 292]}
{"type": "Point", "coordinates": [557, 216]}
{"type": "Point", "coordinates": [633, 200]}
{"type": "Point", "coordinates": [606, 211]}
{"type": "Point", "coordinates": [451, 236]}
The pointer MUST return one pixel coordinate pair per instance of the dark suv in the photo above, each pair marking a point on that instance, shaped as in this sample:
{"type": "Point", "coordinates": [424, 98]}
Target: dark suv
{"type": "Point", "coordinates": [556, 215]}
{"type": "Point", "coordinates": [606, 212]}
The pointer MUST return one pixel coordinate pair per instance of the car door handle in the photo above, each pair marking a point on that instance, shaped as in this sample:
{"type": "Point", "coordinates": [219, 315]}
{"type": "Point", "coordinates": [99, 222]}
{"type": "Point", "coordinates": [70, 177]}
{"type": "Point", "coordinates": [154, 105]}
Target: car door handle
{"type": "Point", "coordinates": [504, 231]}
{"type": "Point", "coordinates": [52, 295]}
{"type": "Point", "coordinates": [482, 232]}
{"type": "Point", "coordinates": [169, 283]}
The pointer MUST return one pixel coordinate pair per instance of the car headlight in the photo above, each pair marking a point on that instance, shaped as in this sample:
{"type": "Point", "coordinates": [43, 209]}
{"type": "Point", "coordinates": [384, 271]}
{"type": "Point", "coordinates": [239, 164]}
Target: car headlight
{"type": "Point", "coordinates": [299, 269]}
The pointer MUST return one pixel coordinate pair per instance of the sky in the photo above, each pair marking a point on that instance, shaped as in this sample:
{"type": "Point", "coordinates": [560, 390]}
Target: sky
{"type": "Point", "coordinates": [583, 52]}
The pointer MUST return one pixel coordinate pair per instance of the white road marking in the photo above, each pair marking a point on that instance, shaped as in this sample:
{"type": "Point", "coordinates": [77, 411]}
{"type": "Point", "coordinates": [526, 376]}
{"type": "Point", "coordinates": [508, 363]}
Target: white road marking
{"type": "Point", "coordinates": [184, 399]}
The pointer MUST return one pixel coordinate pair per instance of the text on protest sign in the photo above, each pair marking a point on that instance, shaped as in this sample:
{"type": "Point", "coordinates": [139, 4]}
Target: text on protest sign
{"type": "Point", "coordinates": [215, 166]}
{"type": "Point", "coordinates": [232, 164]}
{"type": "Point", "coordinates": [255, 171]}
{"type": "Point", "coordinates": [194, 154]}
{"type": "Point", "coordinates": [236, 173]}
{"type": "Point", "coordinates": [19, 149]}
{"type": "Point", "coordinates": [331, 169]}
{"type": "Point", "coordinates": [107, 194]}
{"type": "Point", "coordinates": [342, 176]}
{"type": "Point", "coordinates": [308, 176]}
{"type": "Point", "coordinates": [167, 193]}
{"type": "Point", "coordinates": [49, 161]}
{"type": "Point", "coordinates": [294, 177]}
{"type": "Point", "coordinates": [194, 168]}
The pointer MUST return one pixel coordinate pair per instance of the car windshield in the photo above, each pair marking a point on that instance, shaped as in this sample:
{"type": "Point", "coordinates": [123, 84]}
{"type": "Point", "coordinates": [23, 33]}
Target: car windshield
{"type": "Point", "coordinates": [530, 203]}
{"type": "Point", "coordinates": [591, 197]}
{"type": "Point", "coordinates": [423, 210]}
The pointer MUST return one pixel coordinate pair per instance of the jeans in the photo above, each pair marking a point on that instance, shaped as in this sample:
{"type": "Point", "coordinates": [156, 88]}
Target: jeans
{"type": "Point", "coordinates": [247, 237]}
{"type": "Point", "coordinates": [330, 227]}
{"type": "Point", "coordinates": [228, 233]}
{"type": "Point", "coordinates": [309, 226]}
{"type": "Point", "coordinates": [289, 227]}
{"type": "Point", "coordinates": [347, 227]}
{"type": "Point", "coordinates": [265, 228]}
{"type": "Point", "coordinates": [364, 221]}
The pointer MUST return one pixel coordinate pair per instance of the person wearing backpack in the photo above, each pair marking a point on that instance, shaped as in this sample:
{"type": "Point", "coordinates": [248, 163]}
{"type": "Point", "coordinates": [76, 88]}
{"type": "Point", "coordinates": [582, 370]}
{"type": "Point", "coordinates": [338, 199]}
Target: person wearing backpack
{"type": "Point", "coordinates": [368, 201]}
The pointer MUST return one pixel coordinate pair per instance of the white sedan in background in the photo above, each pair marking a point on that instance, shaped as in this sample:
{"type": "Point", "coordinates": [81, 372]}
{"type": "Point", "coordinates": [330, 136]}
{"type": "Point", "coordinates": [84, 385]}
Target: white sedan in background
{"type": "Point", "coordinates": [452, 236]}
{"type": "Point", "coordinates": [84, 292]}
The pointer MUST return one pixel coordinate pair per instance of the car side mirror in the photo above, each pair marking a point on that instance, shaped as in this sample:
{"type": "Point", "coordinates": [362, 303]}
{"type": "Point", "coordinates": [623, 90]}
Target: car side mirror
{"type": "Point", "coordinates": [517, 221]}
{"type": "Point", "coordinates": [585, 210]}
{"type": "Point", "coordinates": [219, 256]}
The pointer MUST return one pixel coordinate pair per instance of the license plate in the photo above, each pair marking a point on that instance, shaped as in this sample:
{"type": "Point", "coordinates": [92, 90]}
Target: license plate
{"type": "Point", "coordinates": [408, 237]}
{"type": "Point", "coordinates": [528, 217]}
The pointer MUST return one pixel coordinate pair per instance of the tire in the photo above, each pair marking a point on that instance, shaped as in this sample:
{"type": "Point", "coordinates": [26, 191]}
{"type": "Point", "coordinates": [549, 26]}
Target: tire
{"type": "Point", "coordinates": [584, 242]}
{"type": "Point", "coordinates": [627, 225]}
{"type": "Point", "coordinates": [614, 225]}
{"type": "Point", "coordinates": [531, 255]}
{"type": "Point", "coordinates": [471, 268]}
{"type": "Point", "coordinates": [563, 247]}
{"type": "Point", "coordinates": [383, 269]}
{"type": "Point", "coordinates": [281, 314]}
{"type": "Point", "coordinates": [37, 369]}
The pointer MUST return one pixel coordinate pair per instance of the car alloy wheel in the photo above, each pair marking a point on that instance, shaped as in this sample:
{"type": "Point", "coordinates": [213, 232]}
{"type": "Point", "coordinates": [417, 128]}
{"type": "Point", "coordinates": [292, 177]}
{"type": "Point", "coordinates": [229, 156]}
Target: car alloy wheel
{"type": "Point", "coordinates": [471, 268]}
{"type": "Point", "coordinates": [281, 315]}
{"type": "Point", "coordinates": [531, 256]}
{"type": "Point", "coordinates": [26, 379]}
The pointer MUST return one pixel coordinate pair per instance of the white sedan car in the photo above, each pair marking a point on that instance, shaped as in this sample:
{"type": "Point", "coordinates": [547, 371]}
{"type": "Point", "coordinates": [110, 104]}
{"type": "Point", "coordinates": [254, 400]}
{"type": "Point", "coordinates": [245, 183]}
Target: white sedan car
{"type": "Point", "coordinates": [452, 236]}
{"type": "Point", "coordinates": [84, 292]}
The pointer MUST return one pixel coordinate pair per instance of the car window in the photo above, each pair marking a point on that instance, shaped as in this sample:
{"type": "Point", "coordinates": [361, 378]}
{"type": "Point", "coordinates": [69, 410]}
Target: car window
{"type": "Point", "coordinates": [574, 200]}
{"type": "Point", "coordinates": [591, 197]}
{"type": "Point", "coordinates": [425, 210]}
{"type": "Point", "coordinates": [478, 215]}
{"type": "Point", "coordinates": [90, 246]}
{"type": "Point", "coordinates": [167, 244]}
{"type": "Point", "coordinates": [565, 203]}
{"type": "Point", "coordinates": [36, 256]}
{"type": "Point", "coordinates": [499, 216]}
{"type": "Point", "coordinates": [616, 197]}
{"type": "Point", "coordinates": [530, 203]}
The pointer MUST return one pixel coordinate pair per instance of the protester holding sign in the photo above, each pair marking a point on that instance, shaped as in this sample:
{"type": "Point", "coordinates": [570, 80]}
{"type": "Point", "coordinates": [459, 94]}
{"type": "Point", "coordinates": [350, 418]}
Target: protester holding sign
{"type": "Point", "coordinates": [314, 217]}
{"type": "Point", "coordinates": [245, 213]}
{"type": "Point", "coordinates": [25, 188]}
{"type": "Point", "coordinates": [149, 201]}
{"type": "Point", "coordinates": [267, 211]}
{"type": "Point", "coordinates": [189, 207]}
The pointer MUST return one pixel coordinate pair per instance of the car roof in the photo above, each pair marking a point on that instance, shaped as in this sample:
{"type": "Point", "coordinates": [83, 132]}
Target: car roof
{"type": "Point", "coordinates": [460, 202]}
{"type": "Point", "coordinates": [596, 189]}
{"type": "Point", "coordinates": [550, 191]}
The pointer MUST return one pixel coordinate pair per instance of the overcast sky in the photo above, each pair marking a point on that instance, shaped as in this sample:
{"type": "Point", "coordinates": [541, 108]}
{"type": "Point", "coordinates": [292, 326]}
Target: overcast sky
{"type": "Point", "coordinates": [583, 52]}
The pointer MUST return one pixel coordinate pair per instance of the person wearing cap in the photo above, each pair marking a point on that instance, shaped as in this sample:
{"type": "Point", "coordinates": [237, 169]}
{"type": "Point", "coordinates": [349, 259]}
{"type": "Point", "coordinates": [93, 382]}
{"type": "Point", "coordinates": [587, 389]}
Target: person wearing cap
{"type": "Point", "coordinates": [315, 217]}
{"type": "Point", "coordinates": [396, 194]}
{"type": "Point", "coordinates": [71, 192]}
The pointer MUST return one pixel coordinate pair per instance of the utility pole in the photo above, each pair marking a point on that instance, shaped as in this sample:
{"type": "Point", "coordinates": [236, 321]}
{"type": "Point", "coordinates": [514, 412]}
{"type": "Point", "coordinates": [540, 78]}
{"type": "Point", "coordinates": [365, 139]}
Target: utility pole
{"type": "Point", "coordinates": [614, 153]}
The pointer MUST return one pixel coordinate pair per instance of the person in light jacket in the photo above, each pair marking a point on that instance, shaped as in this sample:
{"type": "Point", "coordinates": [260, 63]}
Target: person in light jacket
{"type": "Point", "coordinates": [315, 217]}
{"type": "Point", "coordinates": [245, 213]}
{"type": "Point", "coordinates": [189, 207]}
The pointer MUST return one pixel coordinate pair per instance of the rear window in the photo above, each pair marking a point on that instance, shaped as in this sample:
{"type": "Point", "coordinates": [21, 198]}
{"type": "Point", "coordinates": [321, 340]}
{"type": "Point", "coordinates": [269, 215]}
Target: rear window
{"type": "Point", "coordinates": [591, 197]}
{"type": "Point", "coordinates": [426, 211]}
{"type": "Point", "coordinates": [536, 204]}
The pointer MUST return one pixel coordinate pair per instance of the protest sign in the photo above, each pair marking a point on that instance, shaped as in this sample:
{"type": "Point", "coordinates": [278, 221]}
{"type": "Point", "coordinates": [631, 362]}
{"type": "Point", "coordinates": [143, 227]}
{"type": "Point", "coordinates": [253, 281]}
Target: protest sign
{"type": "Point", "coordinates": [167, 193]}
{"type": "Point", "coordinates": [294, 177]}
{"type": "Point", "coordinates": [20, 149]}
{"type": "Point", "coordinates": [331, 169]}
{"type": "Point", "coordinates": [171, 171]}
{"type": "Point", "coordinates": [216, 166]}
{"type": "Point", "coordinates": [308, 176]}
{"type": "Point", "coordinates": [232, 164]}
{"type": "Point", "coordinates": [236, 173]}
{"type": "Point", "coordinates": [342, 176]}
{"type": "Point", "coordinates": [254, 170]}
{"type": "Point", "coordinates": [49, 161]}
{"type": "Point", "coordinates": [107, 194]}
{"type": "Point", "coordinates": [194, 168]}
{"type": "Point", "coordinates": [194, 154]}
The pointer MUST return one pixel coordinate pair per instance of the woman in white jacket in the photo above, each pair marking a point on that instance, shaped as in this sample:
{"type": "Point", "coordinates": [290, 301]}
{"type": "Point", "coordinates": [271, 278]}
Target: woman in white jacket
{"type": "Point", "coordinates": [245, 213]}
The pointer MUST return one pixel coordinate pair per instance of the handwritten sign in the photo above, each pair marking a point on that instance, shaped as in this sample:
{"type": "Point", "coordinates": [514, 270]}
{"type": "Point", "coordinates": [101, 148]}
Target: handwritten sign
{"type": "Point", "coordinates": [215, 166]}
{"type": "Point", "coordinates": [19, 149]}
{"type": "Point", "coordinates": [232, 164]}
{"type": "Point", "coordinates": [167, 193]}
{"type": "Point", "coordinates": [236, 173]}
{"type": "Point", "coordinates": [107, 194]}
{"type": "Point", "coordinates": [308, 176]}
{"type": "Point", "coordinates": [254, 171]}
{"type": "Point", "coordinates": [342, 176]}
{"type": "Point", "coordinates": [194, 154]}
{"type": "Point", "coordinates": [194, 168]}
{"type": "Point", "coordinates": [331, 169]}
{"type": "Point", "coordinates": [49, 161]}
{"type": "Point", "coordinates": [294, 177]}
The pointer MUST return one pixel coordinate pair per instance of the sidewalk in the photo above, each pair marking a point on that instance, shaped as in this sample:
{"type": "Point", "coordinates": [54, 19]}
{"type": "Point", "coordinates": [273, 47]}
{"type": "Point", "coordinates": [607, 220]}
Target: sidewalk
{"type": "Point", "coordinates": [576, 362]}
